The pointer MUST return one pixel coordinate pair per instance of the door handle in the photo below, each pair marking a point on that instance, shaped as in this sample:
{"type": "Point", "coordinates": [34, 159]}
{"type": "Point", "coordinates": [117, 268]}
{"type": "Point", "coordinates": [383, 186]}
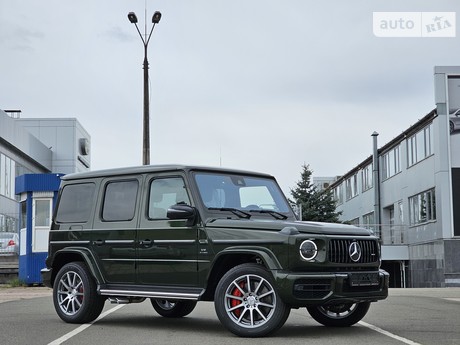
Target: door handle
{"type": "Point", "coordinates": [99, 242]}
{"type": "Point", "coordinates": [146, 242]}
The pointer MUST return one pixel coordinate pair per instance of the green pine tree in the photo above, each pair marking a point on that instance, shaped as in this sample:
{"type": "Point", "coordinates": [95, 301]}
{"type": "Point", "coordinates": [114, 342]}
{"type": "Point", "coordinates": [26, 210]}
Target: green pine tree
{"type": "Point", "coordinates": [319, 206]}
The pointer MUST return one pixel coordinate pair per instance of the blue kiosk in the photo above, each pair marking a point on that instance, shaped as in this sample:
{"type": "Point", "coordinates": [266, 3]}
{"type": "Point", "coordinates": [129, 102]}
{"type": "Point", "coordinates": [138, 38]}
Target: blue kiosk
{"type": "Point", "coordinates": [38, 193]}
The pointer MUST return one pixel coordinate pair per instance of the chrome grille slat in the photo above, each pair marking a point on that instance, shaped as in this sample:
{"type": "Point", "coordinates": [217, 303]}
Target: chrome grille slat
{"type": "Point", "coordinates": [338, 251]}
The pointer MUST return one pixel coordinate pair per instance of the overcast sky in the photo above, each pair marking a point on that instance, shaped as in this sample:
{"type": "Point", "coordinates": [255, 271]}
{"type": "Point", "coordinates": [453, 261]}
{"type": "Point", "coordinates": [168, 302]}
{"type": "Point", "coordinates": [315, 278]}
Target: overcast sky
{"type": "Point", "coordinates": [259, 85]}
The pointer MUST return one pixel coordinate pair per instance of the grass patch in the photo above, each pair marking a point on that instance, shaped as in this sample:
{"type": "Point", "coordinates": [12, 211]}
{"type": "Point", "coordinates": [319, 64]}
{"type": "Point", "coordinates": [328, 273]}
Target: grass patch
{"type": "Point", "coordinates": [16, 282]}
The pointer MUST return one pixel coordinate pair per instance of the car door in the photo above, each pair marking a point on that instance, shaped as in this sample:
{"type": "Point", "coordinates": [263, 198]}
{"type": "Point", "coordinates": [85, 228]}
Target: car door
{"type": "Point", "coordinates": [115, 226]}
{"type": "Point", "coordinates": [167, 249]}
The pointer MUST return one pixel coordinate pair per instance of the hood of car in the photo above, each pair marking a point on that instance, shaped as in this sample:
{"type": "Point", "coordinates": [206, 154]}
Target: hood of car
{"type": "Point", "coordinates": [289, 227]}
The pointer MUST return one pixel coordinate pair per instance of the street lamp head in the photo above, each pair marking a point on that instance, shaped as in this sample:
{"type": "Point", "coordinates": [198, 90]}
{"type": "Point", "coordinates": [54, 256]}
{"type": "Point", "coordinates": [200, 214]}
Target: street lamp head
{"type": "Point", "coordinates": [132, 17]}
{"type": "Point", "coordinates": [156, 17]}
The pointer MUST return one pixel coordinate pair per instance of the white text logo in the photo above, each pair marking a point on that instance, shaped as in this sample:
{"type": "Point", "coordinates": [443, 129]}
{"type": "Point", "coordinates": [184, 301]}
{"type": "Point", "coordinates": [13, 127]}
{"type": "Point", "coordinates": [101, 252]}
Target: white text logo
{"type": "Point", "coordinates": [414, 24]}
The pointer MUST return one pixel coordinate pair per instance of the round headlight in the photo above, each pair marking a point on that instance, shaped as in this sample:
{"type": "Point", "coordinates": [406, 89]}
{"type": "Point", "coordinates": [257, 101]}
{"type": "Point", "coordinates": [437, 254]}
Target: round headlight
{"type": "Point", "coordinates": [308, 250]}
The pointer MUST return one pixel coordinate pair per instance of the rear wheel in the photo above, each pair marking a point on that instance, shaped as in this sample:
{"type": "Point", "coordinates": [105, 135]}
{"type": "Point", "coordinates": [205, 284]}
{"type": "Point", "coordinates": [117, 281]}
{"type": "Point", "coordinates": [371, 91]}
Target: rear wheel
{"type": "Point", "coordinates": [75, 296]}
{"type": "Point", "coordinates": [171, 308]}
{"type": "Point", "coordinates": [247, 303]}
{"type": "Point", "coordinates": [340, 315]}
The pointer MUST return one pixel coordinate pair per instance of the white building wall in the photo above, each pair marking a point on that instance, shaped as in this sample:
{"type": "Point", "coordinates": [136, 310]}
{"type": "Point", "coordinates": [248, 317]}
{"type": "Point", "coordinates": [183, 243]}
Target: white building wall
{"type": "Point", "coordinates": [429, 250]}
{"type": "Point", "coordinates": [62, 136]}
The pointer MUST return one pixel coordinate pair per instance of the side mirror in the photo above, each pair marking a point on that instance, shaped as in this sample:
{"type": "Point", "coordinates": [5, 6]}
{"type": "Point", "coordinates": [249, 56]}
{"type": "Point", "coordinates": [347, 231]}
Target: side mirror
{"type": "Point", "coordinates": [182, 212]}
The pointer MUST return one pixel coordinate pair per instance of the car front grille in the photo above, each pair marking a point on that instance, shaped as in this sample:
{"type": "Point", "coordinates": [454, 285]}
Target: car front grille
{"type": "Point", "coordinates": [339, 251]}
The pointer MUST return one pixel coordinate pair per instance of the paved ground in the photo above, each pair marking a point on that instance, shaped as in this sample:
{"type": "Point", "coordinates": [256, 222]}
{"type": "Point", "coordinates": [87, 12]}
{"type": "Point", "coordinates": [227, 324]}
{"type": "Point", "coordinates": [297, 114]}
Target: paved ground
{"type": "Point", "coordinates": [408, 316]}
{"type": "Point", "coordinates": [13, 294]}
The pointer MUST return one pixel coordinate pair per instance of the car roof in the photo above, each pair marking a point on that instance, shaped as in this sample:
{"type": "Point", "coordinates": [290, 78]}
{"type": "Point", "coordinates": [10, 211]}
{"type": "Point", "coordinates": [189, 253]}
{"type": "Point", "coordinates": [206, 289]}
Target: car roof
{"type": "Point", "coordinates": [157, 168]}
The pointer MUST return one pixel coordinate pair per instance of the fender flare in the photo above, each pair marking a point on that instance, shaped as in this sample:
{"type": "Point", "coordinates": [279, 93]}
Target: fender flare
{"type": "Point", "coordinates": [87, 257]}
{"type": "Point", "coordinates": [267, 256]}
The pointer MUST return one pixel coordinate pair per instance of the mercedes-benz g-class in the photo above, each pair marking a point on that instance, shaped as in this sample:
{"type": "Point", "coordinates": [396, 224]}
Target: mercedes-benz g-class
{"type": "Point", "coordinates": [182, 234]}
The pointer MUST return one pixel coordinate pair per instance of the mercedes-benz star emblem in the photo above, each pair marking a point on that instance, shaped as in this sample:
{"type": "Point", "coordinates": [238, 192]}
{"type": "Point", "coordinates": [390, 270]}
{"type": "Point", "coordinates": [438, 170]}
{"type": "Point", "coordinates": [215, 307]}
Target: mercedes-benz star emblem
{"type": "Point", "coordinates": [354, 250]}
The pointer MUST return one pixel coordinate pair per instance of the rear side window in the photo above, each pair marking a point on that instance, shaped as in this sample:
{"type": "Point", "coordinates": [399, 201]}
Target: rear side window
{"type": "Point", "coordinates": [75, 203]}
{"type": "Point", "coordinates": [120, 201]}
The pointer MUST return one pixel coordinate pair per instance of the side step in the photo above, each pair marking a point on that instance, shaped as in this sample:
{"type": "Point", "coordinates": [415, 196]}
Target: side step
{"type": "Point", "coordinates": [125, 294]}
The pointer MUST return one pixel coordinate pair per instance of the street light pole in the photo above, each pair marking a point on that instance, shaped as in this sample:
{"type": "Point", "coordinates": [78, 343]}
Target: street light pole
{"type": "Point", "coordinates": [146, 123]}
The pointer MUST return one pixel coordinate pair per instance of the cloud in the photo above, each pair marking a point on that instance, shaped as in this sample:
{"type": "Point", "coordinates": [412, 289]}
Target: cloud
{"type": "Point", "coordinates": [116, 33]}
{"type": "Point", "coordinates": [20, 38]}
{"type": "Point", "coordinates": [258, 85]}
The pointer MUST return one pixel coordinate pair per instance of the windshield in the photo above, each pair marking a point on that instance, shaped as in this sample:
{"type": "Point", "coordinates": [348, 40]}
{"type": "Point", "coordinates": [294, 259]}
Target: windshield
{"type": "Point", "coordinates": [247, 193]}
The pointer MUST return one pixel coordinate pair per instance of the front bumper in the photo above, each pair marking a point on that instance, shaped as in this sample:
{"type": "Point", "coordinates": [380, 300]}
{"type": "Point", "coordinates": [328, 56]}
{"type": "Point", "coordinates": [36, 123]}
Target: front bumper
{"type": "Point", "coordinates": [320, 288]}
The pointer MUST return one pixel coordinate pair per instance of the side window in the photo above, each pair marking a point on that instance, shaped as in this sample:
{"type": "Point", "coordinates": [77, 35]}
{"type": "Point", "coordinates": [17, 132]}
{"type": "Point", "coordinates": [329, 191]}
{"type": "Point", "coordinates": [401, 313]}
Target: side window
{"type": "Point", "coordinates": [75, 203]}
{"type": "Point", "coordinates": [120, 201]}
{"type": "Point", "coordinates": [165, 192]}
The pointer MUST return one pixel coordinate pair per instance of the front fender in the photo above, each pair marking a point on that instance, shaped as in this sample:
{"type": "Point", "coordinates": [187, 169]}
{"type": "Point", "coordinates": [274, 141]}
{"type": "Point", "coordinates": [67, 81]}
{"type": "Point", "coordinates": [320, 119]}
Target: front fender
{"type": "Point", "coordinates": [267, 256]}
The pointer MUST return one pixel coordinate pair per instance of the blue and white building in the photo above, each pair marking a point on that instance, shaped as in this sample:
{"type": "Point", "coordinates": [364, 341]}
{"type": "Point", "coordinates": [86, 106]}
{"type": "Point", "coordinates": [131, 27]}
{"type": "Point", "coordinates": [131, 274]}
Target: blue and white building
{"type": "Point", "coordinates": [36, 146]}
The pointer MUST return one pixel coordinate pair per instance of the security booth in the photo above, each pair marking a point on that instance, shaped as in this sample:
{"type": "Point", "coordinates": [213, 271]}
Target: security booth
{"type": "Point", "coordinates": [37, 193]}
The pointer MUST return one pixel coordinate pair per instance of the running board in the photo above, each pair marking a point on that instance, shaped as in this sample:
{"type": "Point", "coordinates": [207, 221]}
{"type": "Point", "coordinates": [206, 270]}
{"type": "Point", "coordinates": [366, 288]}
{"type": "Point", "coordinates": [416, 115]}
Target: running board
{"type": "Point", "coordinates": [150, 294]}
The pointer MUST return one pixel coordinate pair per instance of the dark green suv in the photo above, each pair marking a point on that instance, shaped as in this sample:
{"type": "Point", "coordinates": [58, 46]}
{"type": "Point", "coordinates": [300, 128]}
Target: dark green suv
{"type": "Point", "coordinates": [181, 234]}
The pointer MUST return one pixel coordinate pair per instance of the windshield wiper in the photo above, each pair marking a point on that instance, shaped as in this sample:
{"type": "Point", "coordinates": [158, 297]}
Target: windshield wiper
{"type": "Point", "coordinates": [276, 215]}
{"type": "Point", "coordinates": [235, 211]}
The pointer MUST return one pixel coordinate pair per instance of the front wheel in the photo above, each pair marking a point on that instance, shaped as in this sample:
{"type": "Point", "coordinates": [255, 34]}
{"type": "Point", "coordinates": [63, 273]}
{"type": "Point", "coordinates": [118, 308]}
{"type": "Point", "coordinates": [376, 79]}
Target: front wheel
{"type": "Point", "coordinates": [74, 294]}
{"type": "Point", "coordinates": [340, 315]}
{"type": "Point", "coordinates": [247, 303]}
{"type": "Point", "coordinates": [172, 309]}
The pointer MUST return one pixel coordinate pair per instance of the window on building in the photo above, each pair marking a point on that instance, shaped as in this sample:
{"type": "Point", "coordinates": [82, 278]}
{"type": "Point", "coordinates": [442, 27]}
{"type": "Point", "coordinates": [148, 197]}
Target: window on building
{"type": "Point", "coordinates": [7, 176]}
{"type": "Point", "coordinates": [391, 223]}
{"type": "Point", "coordinates": [422, 207]}
{"type": "Point", "coordinates": [366, 177]}
{"type": "Point", "coordinates": [338, 194]}
{"type": "Point", "coordinates": [120, 200]}
{"type": "Point", "coordinates": [401, 220]}
{"type": "Point", "coordinates": [8, 223]}
{"type": "Point", "coordinates": [391, 164]}
{"type": "Point", "coordinates": [368, 221]}
{"type": "Point", "coordinates": [42, 212]}
{"type": "Point", "coordinates": [420, 145]}
{"type": "Point", "coordinates": [354, 221]}
{"type": "Point", "coordinates": [351, 187]}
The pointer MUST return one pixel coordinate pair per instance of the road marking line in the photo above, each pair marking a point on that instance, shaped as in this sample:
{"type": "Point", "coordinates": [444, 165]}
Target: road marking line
{"type": "Point", "coordinates": [73, 333]}
{"type": "Point", "coordinates": [388, 334]}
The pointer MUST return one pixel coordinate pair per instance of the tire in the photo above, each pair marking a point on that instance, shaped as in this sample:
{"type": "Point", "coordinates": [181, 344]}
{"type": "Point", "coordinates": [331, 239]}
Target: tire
{"type": "Point", "coordinates": [341, 315]}
{"type": "Point", "coordinates": [173, 309]}
{"type": "Point", "coordinates": [75, 296]}
{"type": "Point", "coordinates": [247, 303]}
{"type": "Point", "coordinates": [451, 127]}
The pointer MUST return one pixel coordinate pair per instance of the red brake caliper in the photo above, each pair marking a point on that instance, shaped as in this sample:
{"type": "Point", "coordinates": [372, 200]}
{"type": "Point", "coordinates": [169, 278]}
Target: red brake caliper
{"type": "Point", "coordinates": [80, 298]}
{"type": "Point", "coordinates": [234, 302]}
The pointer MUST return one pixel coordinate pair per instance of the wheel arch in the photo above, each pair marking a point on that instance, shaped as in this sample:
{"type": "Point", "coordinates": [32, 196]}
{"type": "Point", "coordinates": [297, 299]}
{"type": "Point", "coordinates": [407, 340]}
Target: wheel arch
{"type": "Point", "coordinates": [63, 257]}
{"type": "Point", "coordinates": [235, 256]}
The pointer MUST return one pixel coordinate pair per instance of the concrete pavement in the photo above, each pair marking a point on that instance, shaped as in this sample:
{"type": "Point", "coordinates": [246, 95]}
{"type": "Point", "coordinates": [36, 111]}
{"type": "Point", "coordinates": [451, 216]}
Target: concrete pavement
{"type": "Point", "coordinates": [17, 293]}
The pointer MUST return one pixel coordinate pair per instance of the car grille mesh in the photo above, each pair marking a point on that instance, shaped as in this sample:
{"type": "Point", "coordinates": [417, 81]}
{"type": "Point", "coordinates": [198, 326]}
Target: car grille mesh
{"type": "Point", "coordinates": [338, 251]}
{"type": "Point", "coordinates": [312, 288]}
